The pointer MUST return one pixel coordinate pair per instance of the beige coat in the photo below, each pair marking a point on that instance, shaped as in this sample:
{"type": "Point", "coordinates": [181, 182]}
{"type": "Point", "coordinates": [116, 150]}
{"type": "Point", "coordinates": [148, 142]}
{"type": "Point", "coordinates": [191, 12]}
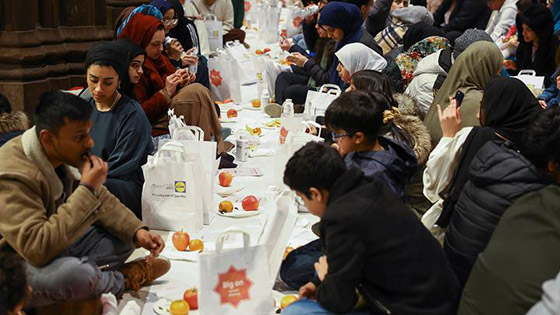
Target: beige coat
{"type": "Point", "coordinates": [222, 9]}
{"type": "Point", "coordinates": [35, 220]}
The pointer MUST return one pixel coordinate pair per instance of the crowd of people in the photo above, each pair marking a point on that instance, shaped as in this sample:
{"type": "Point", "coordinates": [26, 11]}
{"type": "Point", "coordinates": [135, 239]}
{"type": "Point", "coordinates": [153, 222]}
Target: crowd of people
{"type": "Point", "coordinates": [436, 185]}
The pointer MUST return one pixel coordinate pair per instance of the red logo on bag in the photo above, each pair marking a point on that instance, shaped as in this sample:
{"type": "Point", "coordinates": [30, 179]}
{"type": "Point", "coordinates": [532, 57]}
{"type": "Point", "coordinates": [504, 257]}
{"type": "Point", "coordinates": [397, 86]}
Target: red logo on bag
{"type": "Point", "coordinates": [215, 78]}
{"type": "Point", "coordinates": [233, 286]}
{"type": "Point", "coordinates": [247, 5]}
{"type": "Point", "coordinates": [297, 21]}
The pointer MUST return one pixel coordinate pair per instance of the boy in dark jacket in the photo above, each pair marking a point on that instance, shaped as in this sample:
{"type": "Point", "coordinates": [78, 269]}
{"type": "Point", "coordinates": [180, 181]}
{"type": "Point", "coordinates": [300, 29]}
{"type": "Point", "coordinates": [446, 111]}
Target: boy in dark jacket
{"type": "Point", "coordinates": [374, 246]}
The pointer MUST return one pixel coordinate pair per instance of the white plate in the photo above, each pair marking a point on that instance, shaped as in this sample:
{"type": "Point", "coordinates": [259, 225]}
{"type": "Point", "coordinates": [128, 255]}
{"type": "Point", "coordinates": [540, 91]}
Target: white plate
{"type": "Point", "coordinates": [226, 120]}
{"type": "Point", "coordinates": [239, 213]}
{"type": "Point", "coordinates": [161, 307]}
{"type": "Point", "coordinates": [250, 107]}
{"type": "Point", "coordinates": [264, 126]}
{"type": "Point", "coordinates": [225, 107]}
{"type": "Point", "coordinates": [228, 191]}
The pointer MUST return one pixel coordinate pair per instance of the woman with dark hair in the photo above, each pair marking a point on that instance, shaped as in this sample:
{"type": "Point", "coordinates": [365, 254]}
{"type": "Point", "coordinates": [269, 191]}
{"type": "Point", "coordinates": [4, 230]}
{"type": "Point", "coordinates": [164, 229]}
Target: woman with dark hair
{"type": "Point", "coordinates": [120, 129]}
{"type": "Point", "coordinates": [136, 57]}
{"type": "Point", "coordinates": [163, 86]}
{"type": "Point", "coordinates": [506, 110]}
{"type": "Point", "coordinates": [537, 51]}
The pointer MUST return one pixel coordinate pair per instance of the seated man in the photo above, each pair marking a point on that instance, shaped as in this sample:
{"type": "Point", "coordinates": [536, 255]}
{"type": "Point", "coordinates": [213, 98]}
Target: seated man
{"type": "Point", "coordinates": [223, 10]}
{"type": "Point", "coordinates": [502, 18]}
{"type": "Point", "coordinates": [74, 238]}
{"type": "Point", "coordinates": [374, 246]}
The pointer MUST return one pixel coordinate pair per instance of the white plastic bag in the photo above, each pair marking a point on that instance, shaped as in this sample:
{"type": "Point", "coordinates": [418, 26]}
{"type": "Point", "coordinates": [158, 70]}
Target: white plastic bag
{"type": "Point", "coordinates": [294, 21]}
{"type": "Point", "coordinates": [236, 280]}
{"type": "Point", "coordinates": [215, 32]}
{"type": "Point", "coordinates": [223, 73]}
{"type": "Point", "coordinates": [272, 71]}
{"type": "Point", "coordinates": [269, 20]}
{"type": "Point", "coordinates": [171, 198]}
{"type": "Point", "coordinates": [317, 102]}
{"type": "Point", "coordinates": [245, 68]}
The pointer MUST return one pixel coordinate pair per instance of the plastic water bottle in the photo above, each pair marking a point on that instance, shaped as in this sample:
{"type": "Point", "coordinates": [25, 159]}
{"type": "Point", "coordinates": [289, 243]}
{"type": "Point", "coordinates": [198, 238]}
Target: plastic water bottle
{"type": "Point", "coordinates": [288, 108]}
{"type": "Point", "coordinates": [265, 98]}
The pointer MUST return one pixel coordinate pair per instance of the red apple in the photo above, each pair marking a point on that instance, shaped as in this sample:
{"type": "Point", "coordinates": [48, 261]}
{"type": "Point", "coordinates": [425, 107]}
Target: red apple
{"type": "Point", "coordinates": [191, 296]}
{"type": "Point", "coordinates": [181, 240]}
{"type": "Point", "coordinates": [266, 50]}
{"type": "Point", "coordinates": [225, 179]}
{"type": "Point", "coordinates": [250, 203]}
{"type": "Point", "coordinates": [231, 113]}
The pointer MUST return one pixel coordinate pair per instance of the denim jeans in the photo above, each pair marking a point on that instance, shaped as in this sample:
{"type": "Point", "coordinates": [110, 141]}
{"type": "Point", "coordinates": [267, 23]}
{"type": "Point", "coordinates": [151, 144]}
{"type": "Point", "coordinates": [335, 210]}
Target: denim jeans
{"type": "Point", "coordinates": [310, 307]}
{"type": "Point", "coordinates": [76, 275]}
{"type": "Point", "coordinates": [299, 266]}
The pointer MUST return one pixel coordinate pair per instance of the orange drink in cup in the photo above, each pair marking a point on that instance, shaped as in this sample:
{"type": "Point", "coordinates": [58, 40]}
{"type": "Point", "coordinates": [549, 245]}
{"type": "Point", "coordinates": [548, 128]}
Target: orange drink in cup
{"type": "Point", "coordinates": [257, 103]}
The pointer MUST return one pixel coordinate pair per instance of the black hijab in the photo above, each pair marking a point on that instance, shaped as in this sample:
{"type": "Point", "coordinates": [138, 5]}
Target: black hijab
{"type": "Point", "coordinates": [185, 31]}
{"type": "Point", "coordinates": [508, 106]}
{"type": "Point", "coordinates": [107, 54]}
{"type": "Point", "coordinates": [419, 31]}
{"type": "Point", "coordinates": [132, 50]}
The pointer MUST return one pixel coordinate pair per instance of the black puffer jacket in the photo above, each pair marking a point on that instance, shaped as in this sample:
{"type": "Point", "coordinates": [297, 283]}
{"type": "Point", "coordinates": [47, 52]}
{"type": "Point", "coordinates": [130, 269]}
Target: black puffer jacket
{"type": "Point", "coordinates": [467, 14]}
{"type": "Point", "coordinates": [498, 176]}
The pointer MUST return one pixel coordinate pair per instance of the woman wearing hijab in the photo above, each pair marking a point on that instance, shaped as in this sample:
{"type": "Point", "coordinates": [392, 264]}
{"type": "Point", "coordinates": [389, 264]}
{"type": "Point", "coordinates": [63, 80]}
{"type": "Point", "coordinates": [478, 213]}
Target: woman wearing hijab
{"type": "Point", "coordinates": [408, 61]}
{"type": "Point", "coordinates": [181, 34]}
{"type": "Point", "coordinates": [355, 57]}
{"type": "Point", "coordinates": [343, 24]}
{"type": "Point", "coordinates": [120, 129]}
{"type": "Point", "coordinates": [491, 172]}
{"type": "Point", "coordinates": [308, 72]}
{"type": "Point", "coordinates": [506, 110]}
{"type": "Point", "coordinates": [469, 74]}
{"type": "Point", "coordinates": [537, 51]}
{"type": "Point", "coordinates": [163, 87]}
{"type": "Point", "coordinates": [137, 57]}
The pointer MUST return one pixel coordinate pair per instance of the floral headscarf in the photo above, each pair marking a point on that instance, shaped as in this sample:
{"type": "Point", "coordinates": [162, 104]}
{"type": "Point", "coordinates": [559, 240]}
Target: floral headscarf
{"type": "Point", "coordinates": [408, 61]}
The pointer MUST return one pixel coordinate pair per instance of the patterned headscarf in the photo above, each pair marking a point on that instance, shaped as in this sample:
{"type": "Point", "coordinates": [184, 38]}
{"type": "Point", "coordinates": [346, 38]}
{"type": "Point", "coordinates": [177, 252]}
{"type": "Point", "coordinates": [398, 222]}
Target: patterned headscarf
{"type": "Point", "coordinates": [408, 61]}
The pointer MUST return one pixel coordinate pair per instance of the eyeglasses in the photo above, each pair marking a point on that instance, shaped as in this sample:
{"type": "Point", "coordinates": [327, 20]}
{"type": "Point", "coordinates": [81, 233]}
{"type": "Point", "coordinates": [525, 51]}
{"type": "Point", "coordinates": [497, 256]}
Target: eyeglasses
{"type": "Point", "coordinates": [172, 22]}
{"type": "Point", "coordinates": [335, 136]}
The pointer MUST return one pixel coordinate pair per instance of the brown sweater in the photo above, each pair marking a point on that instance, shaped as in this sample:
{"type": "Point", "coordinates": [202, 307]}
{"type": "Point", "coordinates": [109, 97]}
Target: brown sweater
{"type": "Point", "coordinates": [35, 221]}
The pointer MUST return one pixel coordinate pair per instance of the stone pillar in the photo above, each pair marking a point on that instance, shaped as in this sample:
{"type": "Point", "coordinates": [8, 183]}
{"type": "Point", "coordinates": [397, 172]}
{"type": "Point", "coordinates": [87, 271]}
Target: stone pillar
{"type": "Point", "coordinates": [43, 45]}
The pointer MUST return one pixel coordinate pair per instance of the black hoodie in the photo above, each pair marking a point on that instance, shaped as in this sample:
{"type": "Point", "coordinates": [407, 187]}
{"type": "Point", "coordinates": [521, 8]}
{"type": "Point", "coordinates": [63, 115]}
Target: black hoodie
{"type": "Point", "coordinates": [373, 243]}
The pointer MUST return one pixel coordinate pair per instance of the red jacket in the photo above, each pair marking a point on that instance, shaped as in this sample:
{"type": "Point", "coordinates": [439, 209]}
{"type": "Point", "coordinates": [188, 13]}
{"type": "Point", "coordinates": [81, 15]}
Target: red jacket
{"type": "Point", "coordinates": [154, 103]}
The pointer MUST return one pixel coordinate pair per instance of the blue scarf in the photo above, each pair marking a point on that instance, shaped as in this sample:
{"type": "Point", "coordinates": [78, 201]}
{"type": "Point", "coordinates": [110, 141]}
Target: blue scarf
{"type": "Point", "coordinates": [347, 17]}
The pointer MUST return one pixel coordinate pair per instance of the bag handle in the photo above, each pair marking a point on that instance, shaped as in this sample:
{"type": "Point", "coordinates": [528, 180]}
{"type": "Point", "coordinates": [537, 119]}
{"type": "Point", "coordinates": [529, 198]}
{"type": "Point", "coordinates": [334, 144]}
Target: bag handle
{"type": "Point", "coordinates": [528, 72]}
{"type": "Point", "coordinates": [171, 146]}
{"type": "Point", "coordinates": [232, 230]}
{"type": "Point", "coordinates": [211, 16]}
{"type": "Point", "coordinates": [330, 89]}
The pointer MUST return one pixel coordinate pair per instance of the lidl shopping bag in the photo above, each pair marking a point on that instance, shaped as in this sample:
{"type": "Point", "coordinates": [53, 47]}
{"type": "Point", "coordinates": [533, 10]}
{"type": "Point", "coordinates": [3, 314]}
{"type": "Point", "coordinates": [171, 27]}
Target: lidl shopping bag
{"type": "Point", "coordinates": [246, 70]}
{"type": "Point", "coordinates": [171, 198]}
{"type": "Point", "coordinates": [235, 280]}
{"type": "Point", "coordinates": [215, 32]}
{"type": "Point", "coordinates": [224, 77]}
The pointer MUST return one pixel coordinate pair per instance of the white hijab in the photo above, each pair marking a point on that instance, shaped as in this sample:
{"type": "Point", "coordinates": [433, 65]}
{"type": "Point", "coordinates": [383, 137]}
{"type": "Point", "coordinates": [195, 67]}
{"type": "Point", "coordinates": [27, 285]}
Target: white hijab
{"type": "Point", "coordinates": [357, 56]}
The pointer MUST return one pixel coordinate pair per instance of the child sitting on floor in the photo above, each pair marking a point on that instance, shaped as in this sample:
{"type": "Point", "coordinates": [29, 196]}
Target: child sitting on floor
{"type": "Point", "coordinates": [373, 245]}
{"type": "Point", "coordinates": [14, 290]}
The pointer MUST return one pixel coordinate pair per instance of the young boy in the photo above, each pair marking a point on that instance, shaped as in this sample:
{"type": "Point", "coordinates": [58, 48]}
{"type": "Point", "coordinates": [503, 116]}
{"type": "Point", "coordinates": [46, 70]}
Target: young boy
{"type": "Point", "coordinates": [373, 245]}
{"type": "Point", "coordinates": [359, 120]}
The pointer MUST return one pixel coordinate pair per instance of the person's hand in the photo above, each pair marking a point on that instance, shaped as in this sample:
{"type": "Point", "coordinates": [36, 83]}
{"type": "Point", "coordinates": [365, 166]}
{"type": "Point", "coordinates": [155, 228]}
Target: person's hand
{"type": "Point", "coordinates": [285, 44]}
{"type": "Point", "coordinates": [322, 267]}
{"type": "Point", "coordinates": [94, 171]}
{"type": "Point", "coordinates": [450, 118]}
{"type": "Point", "coordinates": [510, 64]}
{"type": "Point", "coordinates": [189, 58]}
{"type": "Point", "coordinates": [558, 81]}
{"type": "Point", "coordinates": [171, 83]}
{"type": "Point", "coordinates": [543, 104]}
{"type": "Point", "coordinates": [175, 50]}
{"type": "Point", "coordinates": [308, 291]}
{"type": "Point", "coordinates": [149, 241]}
{"type": "Point", "coordinates": [297, 58]}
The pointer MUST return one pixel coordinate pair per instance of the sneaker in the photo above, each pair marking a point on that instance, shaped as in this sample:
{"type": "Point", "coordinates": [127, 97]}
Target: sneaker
{"type": "Point", "coordinates": [273, 110]}
{"type": "Point", "coordinates": [142, 272]}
